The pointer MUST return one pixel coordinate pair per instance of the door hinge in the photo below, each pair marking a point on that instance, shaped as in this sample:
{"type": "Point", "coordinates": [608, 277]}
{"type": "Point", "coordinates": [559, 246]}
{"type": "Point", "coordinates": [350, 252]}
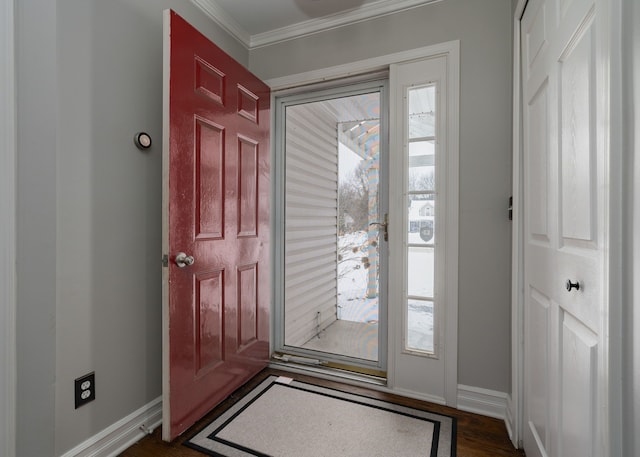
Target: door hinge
{"type": "Point", "coordinates": [165, 260]}
{"type": "Point", "coordinates": [510, 208]}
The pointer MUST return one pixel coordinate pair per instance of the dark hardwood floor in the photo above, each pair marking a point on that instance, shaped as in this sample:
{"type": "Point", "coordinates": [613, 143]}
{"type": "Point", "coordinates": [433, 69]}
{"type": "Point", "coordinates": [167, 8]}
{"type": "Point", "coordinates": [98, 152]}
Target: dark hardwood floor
{"type": "Point", "coordinates": [477, 436]}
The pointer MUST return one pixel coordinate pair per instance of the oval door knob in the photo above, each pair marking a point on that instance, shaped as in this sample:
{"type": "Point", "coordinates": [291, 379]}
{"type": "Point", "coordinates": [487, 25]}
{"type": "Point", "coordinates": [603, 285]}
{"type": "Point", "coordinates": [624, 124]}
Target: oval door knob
{"type": "Point", "coordinates": [183, 260]}
{"type": "Point", "coordinates": [572, 285]}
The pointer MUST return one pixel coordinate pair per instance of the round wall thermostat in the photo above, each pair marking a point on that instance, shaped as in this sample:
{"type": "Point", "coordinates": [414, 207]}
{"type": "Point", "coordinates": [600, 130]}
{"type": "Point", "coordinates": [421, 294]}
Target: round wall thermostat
{"type": "Point", "coordinates": [142, 140]}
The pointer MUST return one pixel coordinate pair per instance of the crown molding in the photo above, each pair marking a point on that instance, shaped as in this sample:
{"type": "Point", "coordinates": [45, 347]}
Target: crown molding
{"type": "Point", "coordinates": [224, 20]}
{"type": "Point", "coordinates": [332, 21]}
{"type": "Point", "coordinates": [305, 28]}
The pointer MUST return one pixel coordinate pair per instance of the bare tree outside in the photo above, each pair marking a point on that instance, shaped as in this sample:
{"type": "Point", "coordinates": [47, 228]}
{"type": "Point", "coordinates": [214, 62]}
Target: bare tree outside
{"type": "Point", "coordinates": [353, 198]}
{"type": "Point", "coordinates": [422, 181]}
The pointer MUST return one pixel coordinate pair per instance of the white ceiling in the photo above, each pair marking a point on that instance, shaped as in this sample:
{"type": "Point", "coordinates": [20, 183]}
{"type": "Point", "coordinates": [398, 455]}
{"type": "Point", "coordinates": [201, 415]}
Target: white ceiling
{"type": "Point", "coordinates": [262, 22]}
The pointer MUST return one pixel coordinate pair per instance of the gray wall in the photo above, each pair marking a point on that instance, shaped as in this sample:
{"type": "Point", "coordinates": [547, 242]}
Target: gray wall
{"type": "Point", "coordinates": [37, 105]}
{"type": "Point", "coordinates": [484, 29]}
{"type": "Point", "coordinates": [89, 206]}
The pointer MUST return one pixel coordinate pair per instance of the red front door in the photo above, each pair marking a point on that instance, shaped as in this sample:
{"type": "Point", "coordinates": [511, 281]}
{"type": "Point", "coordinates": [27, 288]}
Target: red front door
{"type": "Point", "coordinates": [215, 225]}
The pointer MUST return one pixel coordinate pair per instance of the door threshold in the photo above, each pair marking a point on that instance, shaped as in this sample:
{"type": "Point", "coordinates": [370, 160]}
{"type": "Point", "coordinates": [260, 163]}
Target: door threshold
{"type": "Point", "coordinates": [307, 360]}
{"type": "Point", "coordinates": [330, 371]}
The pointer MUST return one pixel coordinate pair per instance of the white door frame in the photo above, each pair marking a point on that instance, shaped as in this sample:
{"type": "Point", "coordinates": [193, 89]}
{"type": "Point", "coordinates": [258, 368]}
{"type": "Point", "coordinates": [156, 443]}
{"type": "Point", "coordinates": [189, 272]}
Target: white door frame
{"type": "Point", "coordinates": [631, 56]}
{"type": "Point", "coordinates": [613, 324]}
{"type": "Point", "coordinates": [354, 87]}
{"type": "Point", "coordinates": [7, 230]}
{"type": "Point", "coordinates": [280, 85]}
{"type": "Point", "coordinates": [514, 409]}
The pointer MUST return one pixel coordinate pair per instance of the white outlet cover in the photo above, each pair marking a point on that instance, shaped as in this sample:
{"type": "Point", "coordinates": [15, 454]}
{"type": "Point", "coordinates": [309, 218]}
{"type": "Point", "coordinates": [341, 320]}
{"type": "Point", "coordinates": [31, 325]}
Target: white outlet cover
{"type": "Point", "coordinates": [85, 385]}
{"type": "Point", "coordinates": [85, 394]}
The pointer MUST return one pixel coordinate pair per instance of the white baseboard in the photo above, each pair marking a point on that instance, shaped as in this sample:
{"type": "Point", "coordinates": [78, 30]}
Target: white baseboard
{"type": "Point", "coordinates": [483, 401]}
{"type": "Point", "coordinates": [119, 436]}
{"type": "Point", "coordinates": [510, 423]}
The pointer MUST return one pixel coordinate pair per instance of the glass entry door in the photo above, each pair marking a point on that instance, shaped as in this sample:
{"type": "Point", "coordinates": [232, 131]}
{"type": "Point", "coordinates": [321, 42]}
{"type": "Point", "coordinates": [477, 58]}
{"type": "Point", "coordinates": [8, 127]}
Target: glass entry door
{"type": "Point", "coordinates": [331, 299]}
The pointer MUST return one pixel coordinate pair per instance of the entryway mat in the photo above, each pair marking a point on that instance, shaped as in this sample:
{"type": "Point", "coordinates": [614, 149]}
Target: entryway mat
{"type": "Point", "coordinates": [282, 417]}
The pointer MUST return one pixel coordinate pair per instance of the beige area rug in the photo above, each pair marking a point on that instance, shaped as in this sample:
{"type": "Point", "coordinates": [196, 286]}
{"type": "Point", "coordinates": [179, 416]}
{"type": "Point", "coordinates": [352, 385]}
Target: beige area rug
{"type": "Point", "coordinates": [283, 417]}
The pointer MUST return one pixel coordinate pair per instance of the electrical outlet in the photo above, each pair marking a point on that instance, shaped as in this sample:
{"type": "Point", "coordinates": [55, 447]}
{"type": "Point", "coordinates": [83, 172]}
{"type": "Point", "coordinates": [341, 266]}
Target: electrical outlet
{"type": "Point", "coordinates": [85, 389]}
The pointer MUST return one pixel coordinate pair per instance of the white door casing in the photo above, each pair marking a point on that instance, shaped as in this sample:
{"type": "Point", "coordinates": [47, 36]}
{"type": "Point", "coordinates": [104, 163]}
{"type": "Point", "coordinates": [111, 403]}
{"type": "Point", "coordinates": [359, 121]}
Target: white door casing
{"type": "Point", "coordinates": [447, 392]}
{"type": "Point", "coordinates": [565, 166]}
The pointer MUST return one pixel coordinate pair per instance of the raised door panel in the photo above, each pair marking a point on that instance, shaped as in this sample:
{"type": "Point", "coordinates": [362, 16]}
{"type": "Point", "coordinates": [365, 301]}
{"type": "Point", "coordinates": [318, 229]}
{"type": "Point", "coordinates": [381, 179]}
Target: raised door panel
{"type": "Point", "coordinates": [209, 321]}
{"type": "Point", "coordinates": [248, 311]}
{"type": "Point", "coordinates": [209, 80]}
{"type": "Point", "coordinates": [578, 392]}
{"type": "Point", "coordinates": [538, 162]}
{"type": "Point", "coordinates": [534, 38]}
{"type": "Point", "coordinates": [537, 347]}
{"type": "Point", "coordinates": [247, 187]}
{"type": "Point", "coordinates": [209, 175]}
{"type": "Point", "coordinates": [577, 144]}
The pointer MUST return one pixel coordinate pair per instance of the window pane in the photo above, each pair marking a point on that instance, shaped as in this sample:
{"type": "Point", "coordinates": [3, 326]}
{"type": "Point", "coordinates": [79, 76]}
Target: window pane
{"type": "Point", "coordinates": [420, 271]}
{"type": "Point", "coordinates": [422, 112]}
{"type": "Point", "coordinates": [420, 325]}
{"type": "Point", "coordinates": [421, 215]}
{"type": "Point", "coordinates": [421, 219]}
{"type": "Point", "coordinates": [422, 166]}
